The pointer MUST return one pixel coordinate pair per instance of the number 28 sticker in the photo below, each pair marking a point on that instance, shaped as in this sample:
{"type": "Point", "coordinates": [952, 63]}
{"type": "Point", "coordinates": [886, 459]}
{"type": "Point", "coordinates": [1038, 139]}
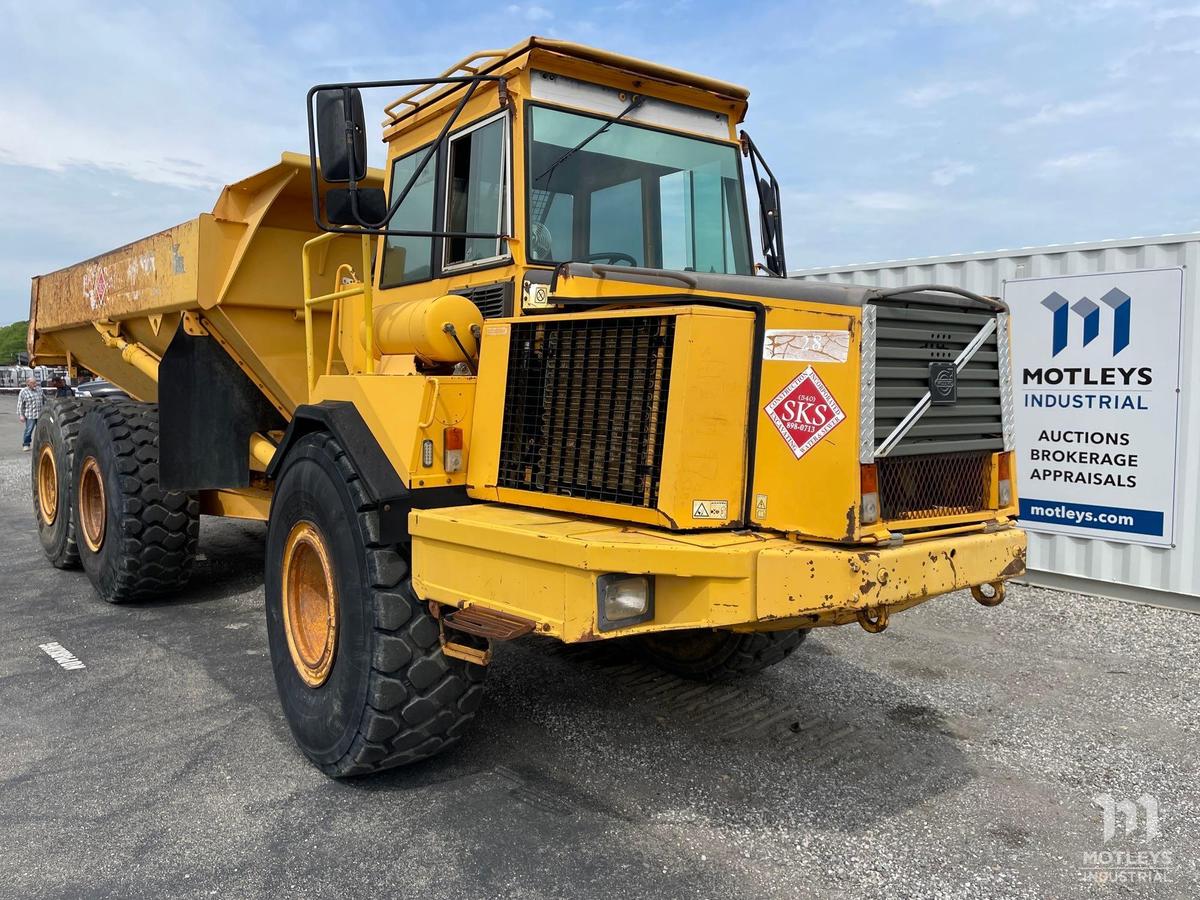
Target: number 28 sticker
{"type": "Point", "coordinates": [804, 412]}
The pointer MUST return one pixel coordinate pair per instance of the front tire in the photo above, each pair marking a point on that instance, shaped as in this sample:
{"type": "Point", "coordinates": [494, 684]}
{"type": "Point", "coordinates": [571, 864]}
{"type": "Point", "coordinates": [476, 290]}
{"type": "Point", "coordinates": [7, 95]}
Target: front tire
{"type": "Point", "coordinates": [711, 654]}
{"type": "Point", "coordinates": [358, 662]}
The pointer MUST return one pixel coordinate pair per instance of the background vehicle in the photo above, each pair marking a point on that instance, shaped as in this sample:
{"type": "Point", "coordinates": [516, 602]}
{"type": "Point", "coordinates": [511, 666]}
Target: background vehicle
{"type": "Point", "coordinates": [98, 388]}
{"type": "Point", "coordinates": [553, 399]}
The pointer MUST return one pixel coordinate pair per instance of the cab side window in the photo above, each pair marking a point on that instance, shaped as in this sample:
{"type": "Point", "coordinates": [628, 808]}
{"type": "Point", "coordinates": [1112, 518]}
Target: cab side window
{"type": "Point", "coordinates": [409, 259]}
{"type": "Point", "coordinates": [477, 193]}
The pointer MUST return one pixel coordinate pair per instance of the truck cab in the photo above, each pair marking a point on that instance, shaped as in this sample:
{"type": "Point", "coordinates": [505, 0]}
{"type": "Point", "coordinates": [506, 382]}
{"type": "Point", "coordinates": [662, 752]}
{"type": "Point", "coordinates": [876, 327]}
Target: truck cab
{"type": "Point", "coordinates": [644, 392]}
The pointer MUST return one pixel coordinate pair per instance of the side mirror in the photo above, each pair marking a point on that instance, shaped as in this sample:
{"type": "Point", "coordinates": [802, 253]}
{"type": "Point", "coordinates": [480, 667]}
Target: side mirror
{"type": "Point", "coordinates": [768, 203]}
{"type": "Point", "coordinates": [341, 135]}
{"type": "Point", "coordinates": [361, 207]}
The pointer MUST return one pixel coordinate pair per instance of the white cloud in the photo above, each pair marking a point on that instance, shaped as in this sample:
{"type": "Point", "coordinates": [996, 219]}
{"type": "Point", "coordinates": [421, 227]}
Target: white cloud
{"type": "Point", "coordinates": [1174, 13]}
{"type": "Point", "coordinates": [530, 12]}
{"type": "Point", "coordinates": [887, 201]}
{"type": "Point", "coordinates": [1054, 113]}
{"type": "Point", "coordinates": [1084, 163]}
{"type": "Point", "coordinates": [979, 7]}
{"type": "Point", "coordinates": [162, 95]}
{"type": "Point", "coordinates": [946, 175]}
{"type": "Point", "coordinates": [1192, 46]}
{"type": "Point", "coordinates": [939, 91]}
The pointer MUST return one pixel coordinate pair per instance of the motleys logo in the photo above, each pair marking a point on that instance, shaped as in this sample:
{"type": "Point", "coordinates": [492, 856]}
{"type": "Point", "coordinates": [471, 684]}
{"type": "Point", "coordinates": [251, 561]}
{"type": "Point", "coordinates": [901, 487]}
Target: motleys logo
{"type": "Point", "coordinates": [804, 412]}
{"type": "Point", "coordinates": [1089, 312]}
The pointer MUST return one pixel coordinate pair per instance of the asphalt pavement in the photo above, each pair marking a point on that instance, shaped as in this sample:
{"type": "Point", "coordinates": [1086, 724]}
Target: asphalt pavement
{"type": "Point", "coordinates": [964, 752]}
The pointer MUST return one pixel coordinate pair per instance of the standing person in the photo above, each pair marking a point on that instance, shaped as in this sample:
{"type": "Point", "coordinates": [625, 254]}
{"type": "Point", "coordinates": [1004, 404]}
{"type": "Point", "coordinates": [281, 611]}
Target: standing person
{"type": "Point", "coordinates": [60, 387]}
{"type": "Point", "coordinates": [29, 406]}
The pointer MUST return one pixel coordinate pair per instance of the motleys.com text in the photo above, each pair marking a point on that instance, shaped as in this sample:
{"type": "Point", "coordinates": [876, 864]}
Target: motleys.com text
{"type": "Point", "coordinates": [1065, 513]}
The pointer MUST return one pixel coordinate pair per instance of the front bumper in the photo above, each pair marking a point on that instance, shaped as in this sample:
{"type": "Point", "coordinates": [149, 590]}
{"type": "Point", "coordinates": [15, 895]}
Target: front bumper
{"type": "Point", "coordinates": [543, 568]}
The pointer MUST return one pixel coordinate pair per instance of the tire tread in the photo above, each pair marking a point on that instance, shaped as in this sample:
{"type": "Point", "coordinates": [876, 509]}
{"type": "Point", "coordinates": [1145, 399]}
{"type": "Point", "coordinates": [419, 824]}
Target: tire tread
{"type": "Point", "coordinates": [159, 528]}
{"type": "Point", "coordinates": [419, 701]}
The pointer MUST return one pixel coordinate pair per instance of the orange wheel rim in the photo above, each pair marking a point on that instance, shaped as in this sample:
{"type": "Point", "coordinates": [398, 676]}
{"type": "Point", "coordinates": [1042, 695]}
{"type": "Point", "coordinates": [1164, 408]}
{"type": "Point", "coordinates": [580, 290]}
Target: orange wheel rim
{"type": "Point", "coordinates": [47, 485]}
{"type": "Point", "coordinates": [310, 605]}
{"type": "Point", "coordinates": [92, 509]}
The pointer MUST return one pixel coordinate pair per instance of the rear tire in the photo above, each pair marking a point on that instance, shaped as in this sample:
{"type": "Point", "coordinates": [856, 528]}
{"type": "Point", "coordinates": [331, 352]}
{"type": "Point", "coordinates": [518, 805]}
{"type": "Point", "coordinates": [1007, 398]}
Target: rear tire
{"type": "Point", "coordinates": [52, 470]}
{"type": "Point", "coordinates": [358, 662]}
{"type": "Point", "coordinates": [708, 654]}
{"type": "Point", "coordinates": [135, 540]}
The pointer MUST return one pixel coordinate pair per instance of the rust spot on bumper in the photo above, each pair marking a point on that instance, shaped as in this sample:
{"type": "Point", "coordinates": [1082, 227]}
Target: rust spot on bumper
{"type": "Point", "coordinates": [1014, 568]}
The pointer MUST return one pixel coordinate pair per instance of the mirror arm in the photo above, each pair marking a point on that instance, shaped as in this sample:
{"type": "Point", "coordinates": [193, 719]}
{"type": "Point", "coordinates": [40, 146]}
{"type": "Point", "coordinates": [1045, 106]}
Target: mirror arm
{"type": "Point", "coordinates": [470, 81]}
{"type": "Point", "coordinates": [772, 246]}
{"type": "Point", "coordinates": [433, 148]}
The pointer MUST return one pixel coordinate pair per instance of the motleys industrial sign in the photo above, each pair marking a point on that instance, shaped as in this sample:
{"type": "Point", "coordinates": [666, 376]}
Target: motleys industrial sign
{"type": "Point", "coordinates": [1096, 396]}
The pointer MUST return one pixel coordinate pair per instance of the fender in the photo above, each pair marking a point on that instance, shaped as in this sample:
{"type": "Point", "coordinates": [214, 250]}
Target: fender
{"type": "Point", "coordinates": [383, 485]}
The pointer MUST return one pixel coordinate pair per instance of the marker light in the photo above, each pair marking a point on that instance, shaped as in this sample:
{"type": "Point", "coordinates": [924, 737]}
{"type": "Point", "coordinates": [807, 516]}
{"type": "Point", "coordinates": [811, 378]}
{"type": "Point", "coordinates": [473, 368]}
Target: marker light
{"type": "Point", "coordinates": [452, 440]}
{"type": "Point", "coordinates": [1004, 482]}
{"type": "Point", "coordinates": [427, 453]}
{"type": "Point", "coordinates": [869, 481]}
{"type": "Point", "coordinates": [624, 600]}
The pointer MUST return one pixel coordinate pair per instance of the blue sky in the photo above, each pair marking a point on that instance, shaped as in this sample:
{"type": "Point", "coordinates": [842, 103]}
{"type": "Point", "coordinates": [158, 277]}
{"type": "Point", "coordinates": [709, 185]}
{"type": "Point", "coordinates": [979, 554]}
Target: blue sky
{"type": "Point", "coordinates": [898, 129]}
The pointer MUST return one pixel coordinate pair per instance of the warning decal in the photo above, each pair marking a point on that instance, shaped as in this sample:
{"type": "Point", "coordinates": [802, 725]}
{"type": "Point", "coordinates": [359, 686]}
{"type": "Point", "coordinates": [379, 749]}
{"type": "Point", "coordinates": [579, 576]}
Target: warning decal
{"type": "Point", "coordinates": [804, 412]}
{"type": "Point", "coordinates": [710, 509]}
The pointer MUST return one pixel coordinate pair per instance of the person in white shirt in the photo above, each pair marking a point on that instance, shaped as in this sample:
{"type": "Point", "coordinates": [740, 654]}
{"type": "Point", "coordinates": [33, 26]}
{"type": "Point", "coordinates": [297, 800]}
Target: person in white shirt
{"type": "Point", "coordinates": [30, 403]}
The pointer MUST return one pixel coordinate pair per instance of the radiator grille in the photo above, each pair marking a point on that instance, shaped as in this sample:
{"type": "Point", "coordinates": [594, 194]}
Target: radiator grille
{"type": "Point", "coordinates": [494, 300]}
{"type": "Point", "coordinates": [586, 408]}
{"type": "Point", "coordinates": [918, 487]}
{"type": "Point", "coordinates": [909, 336]}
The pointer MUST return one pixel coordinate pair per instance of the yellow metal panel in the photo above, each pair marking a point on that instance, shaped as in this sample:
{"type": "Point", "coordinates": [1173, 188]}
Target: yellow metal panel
{"type": "Point", "coordinates": [243, 503]}
{"type": "Point", "coordinates": [816, 495]}
{"type": "Point", "coordinates": [488, 419]}
{"type": "Point", "coordinates": [153, 275]}
{"type": "Point", "coordinates": [704, 453]}
{"type": "Point", "coordinates": [402, 411]}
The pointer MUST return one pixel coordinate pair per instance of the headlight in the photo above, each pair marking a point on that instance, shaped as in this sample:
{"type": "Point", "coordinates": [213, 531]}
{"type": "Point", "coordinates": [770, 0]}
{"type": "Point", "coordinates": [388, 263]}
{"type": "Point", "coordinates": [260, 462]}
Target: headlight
{"type": "Point", "coordinates": [624, 600]}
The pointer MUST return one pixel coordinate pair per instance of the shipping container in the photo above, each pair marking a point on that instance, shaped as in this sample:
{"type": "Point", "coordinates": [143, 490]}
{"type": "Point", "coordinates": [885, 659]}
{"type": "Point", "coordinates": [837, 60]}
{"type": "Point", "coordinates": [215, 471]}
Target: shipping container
{"type": "Point", "coordinates": [1085, 336]}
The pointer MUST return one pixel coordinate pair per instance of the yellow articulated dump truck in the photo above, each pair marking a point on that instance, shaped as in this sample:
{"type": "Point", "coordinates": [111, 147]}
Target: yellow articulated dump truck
{"type": "Point", "coordinates": [526, 380]}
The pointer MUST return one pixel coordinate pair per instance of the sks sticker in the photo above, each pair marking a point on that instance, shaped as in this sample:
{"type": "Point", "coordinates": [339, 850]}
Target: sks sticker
{"type": "Point", "coordinates": [804, 412]}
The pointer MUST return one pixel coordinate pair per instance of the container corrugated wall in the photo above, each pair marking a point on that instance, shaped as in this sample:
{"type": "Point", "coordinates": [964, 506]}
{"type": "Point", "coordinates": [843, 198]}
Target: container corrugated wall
{"type": "Point", "coordinates": [1167, 576]}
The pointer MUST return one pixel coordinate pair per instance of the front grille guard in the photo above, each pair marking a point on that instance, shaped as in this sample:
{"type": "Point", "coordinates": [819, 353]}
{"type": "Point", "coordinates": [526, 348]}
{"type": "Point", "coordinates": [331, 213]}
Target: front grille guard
{"type": "Point", "coordinates": [867, 450]}
{"type": "Point", "coordinates": [913, 488]}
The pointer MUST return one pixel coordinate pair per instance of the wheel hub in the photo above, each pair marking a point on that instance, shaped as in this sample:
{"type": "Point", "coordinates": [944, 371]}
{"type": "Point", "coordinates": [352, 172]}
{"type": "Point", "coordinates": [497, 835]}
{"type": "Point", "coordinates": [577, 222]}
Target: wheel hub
{"type": "Point", "coordinates": [310, 607]}
{"type": "Point", "coordinates": [47, 485]}
{"type": "Point", "coordinates": [93, 514]}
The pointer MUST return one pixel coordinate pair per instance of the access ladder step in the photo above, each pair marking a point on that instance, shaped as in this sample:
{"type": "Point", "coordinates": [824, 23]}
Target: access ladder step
{"type": "Point", "coordinates": [488, 623]}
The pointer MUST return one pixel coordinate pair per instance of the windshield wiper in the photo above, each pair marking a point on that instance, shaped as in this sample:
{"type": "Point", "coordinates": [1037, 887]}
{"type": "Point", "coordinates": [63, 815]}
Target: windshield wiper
{"type": "Point", "coordinates": [633, 104]}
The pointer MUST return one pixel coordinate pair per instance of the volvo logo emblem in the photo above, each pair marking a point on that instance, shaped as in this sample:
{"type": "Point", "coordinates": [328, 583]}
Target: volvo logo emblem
{"type": "Point", "coordinates": [943, 383]}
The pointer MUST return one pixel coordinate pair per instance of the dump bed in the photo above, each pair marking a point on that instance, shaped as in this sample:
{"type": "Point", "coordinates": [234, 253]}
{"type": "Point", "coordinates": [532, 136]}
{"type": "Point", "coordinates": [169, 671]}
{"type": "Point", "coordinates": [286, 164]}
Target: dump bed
{"type": "Point", "coordinates": [238, 267]}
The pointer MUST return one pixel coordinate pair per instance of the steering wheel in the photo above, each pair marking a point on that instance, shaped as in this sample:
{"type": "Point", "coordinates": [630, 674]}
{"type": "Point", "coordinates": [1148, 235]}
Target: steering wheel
{"type": "Point", "coordinates": [613, 257]}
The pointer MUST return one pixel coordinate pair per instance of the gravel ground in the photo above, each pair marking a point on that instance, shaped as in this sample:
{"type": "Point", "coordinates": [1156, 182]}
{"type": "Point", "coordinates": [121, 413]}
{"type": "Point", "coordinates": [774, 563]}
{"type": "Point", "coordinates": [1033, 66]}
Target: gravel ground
{"type": "Point", "coordinates": [958, 754]}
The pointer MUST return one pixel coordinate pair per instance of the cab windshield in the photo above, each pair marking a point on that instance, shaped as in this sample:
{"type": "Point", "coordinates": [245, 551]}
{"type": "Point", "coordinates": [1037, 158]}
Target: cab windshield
{"type": "Point", "coordinates": [633, 195]}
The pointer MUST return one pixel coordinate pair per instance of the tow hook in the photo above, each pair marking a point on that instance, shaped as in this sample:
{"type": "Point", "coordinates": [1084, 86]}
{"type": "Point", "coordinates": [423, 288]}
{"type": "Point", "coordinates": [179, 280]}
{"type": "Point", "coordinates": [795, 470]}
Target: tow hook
{"type": "Point", "coordinates": [992, 596]}
{"type": "Point", "coordinates": [873, 619]}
